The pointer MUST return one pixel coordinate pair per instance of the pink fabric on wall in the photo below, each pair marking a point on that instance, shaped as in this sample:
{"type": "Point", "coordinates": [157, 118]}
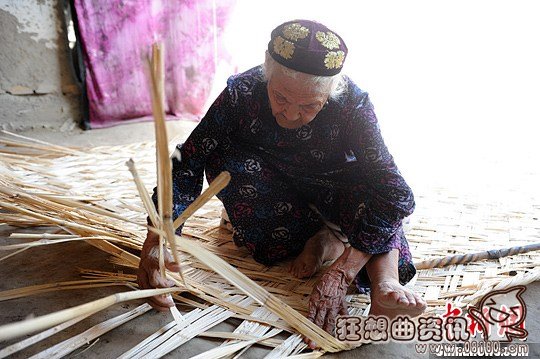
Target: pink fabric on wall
{"type": "Point", "coordinates": [117, 36]}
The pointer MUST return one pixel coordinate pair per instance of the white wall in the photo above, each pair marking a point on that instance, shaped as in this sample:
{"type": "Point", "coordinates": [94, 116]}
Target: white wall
{"type": "Point", "coordinates": [455, 84]}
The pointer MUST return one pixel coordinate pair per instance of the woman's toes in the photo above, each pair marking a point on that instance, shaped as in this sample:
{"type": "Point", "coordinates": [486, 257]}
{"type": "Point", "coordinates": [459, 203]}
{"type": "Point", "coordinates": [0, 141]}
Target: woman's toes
{"type": "Point", "coordinates": [389, 298]}
{"type": "Point", "coordinates": [411, 299]}
{"type": "Point", "coordinates": [392, 299]}
{"type": "Point", "coordinates": [403, 299]}
{"type": "Point", "coordinates": [420, 302]}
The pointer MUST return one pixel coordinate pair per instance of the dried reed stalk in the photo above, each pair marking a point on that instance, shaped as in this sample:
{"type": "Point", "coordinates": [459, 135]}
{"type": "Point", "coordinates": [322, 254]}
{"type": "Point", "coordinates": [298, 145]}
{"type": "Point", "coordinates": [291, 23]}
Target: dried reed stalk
{"type": "Point", "coordinates": [59, 222]}
{"type": "Point", "coordinates": [14, 253]}
{"type": "Point", "coordinates": [164, 171]}
{"type": "Point", "coordinates": [14, 348]}
{"type": "Point", "coordinates": [229, 349]}
{"type": "Point", "coordinates": [14, 330]}
{"type": "Point", "coordinates": [78, 206]}
{"type": "Point", "coordinates": [238, 336]}
{"type": "Point", "coordinates": [145, 197]}
{"type": "Point", "coordinates": [45, 145]}
{"type": "Point", "coordinates": [311, 355]}
{"type": "Point", "coordinates": [220, 182]}
{"type": "Point", "coordinates": [69, 345]}
{"type": "Point", "coordinates": [50, 287]}
{"type": "Point", "coordinates": [41, 145]}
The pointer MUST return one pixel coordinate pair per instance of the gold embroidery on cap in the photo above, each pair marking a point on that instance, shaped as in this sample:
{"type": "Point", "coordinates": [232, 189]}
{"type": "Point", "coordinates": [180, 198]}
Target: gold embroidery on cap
{"type": "Point", "coordinates": [295, 31]}
{"type": "Point", "coordinates": [328, 40]}
{"type": "Point", "coordinates": [334, 59]}
{"type": "Point", "coordinates": [283, 47]}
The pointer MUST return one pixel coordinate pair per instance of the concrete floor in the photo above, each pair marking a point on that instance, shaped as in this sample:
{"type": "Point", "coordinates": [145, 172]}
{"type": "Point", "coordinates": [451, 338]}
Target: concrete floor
{"type": "Point", "coordinates": [45, 265]}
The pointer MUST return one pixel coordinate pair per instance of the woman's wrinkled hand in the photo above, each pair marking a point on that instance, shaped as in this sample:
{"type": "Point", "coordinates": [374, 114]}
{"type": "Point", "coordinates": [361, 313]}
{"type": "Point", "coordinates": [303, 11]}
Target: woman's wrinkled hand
{"type": "Point", "coordinates": [149, 276]}
{"type": "Point", "coordinates": [327, 301]}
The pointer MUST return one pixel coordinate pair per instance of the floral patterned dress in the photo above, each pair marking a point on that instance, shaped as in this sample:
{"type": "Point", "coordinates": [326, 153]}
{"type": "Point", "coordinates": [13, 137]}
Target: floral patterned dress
{"type": "Point", "coordinates": [284, 180]}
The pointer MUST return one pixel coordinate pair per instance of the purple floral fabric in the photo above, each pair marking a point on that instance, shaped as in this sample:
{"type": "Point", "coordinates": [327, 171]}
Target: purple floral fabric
{"type": "Point", "coordinates": [117, 37]}
{"type": "Point", "coordinates": [338, 163]}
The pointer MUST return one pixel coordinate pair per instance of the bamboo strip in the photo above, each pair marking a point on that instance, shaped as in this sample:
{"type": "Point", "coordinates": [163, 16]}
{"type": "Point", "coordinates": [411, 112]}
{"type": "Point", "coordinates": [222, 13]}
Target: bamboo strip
{"type": "Point", "coordinates": [292, 345]}
{"type": "Point", "coordinates": [255, 328]}
{"type": "Point", "coordinates": [150, 209]}
{"type": "Point", "coordinates": [161, 333]}
{"type": "Point", "coordinates": [180, 337]}
{"type": "Point", "coordinates": [222, 351]}
{"type": "Point", "coordinates": [178, 318]}
{"type": "Point", "coordinates": [14, 348]}
{"type": "Point", "coordinates": [14, 330]}
{"type": "Point", "coordinates": [69, 345]}
{"type": "Point", "coordinates": [172, 335]}
{"type": "Point", "coordinates": [280, 324]}
{"type": "Point", "coordinates": [81, 206]}
{"type": "Point", "coordinates": [39, 288]}
{"type": "Point", "coordinates": [237, 336]}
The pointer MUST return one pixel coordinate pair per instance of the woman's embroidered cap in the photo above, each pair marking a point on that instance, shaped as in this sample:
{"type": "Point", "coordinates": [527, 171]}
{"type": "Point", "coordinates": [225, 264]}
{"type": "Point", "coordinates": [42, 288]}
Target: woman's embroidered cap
{"type": "Point", "coordinates": [309, 47]}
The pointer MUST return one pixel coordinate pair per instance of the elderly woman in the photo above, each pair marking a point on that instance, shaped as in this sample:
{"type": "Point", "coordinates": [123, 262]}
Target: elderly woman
{"type": "Point", "coordinates": [304, 150]}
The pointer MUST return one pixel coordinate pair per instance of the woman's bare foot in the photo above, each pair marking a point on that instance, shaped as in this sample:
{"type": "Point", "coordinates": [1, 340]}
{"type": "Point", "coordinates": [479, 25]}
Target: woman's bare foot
{"type": "Point", "coordinates": [322, 247]}
{"type": "Point", "coordinates": [391, 299]}
{"type": "Point", "coordinates": [388, 296]}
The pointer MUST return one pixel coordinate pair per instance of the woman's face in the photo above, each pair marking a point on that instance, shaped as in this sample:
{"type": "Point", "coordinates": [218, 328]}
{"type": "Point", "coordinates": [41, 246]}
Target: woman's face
{"type": "Point", "coordinates": [293, 102]}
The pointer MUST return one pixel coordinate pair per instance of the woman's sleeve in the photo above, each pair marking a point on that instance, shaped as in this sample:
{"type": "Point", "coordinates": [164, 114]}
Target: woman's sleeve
{"type": "Point", "coordinates": [189, 159]}
{"type": "Point", "coordinates": [388, 197]}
